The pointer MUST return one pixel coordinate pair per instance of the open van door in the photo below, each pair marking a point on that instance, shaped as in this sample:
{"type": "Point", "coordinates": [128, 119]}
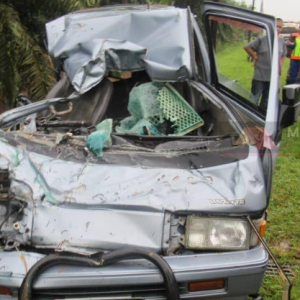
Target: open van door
{"type": "Point", "coordinates": [252, 87]}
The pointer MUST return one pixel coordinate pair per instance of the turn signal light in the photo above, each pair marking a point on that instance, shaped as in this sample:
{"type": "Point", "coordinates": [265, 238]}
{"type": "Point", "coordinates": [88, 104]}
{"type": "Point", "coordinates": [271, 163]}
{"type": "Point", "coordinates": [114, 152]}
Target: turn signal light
{"type": "Point", "coordinates": [262, 228]}
{"type": "Point", "coordinates": [5, 291]}
{"type": "Point", "coordinates": [207, 285]}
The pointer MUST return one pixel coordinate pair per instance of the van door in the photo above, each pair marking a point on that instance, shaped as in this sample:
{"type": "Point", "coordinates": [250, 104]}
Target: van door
{"type": "Point", "coordinates": [252, 86]}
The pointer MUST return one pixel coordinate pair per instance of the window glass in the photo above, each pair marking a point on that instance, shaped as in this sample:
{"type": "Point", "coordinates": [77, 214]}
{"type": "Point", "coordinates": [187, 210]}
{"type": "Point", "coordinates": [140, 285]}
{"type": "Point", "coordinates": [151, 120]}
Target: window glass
{"type": "Point", "coordinates": [243, 60]}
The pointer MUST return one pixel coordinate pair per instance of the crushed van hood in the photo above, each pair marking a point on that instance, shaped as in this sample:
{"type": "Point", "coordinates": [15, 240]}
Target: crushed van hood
{"type": "Point", "coordinates": [92, 43]}
{"type": "Point", "coordinates": [86, 206]}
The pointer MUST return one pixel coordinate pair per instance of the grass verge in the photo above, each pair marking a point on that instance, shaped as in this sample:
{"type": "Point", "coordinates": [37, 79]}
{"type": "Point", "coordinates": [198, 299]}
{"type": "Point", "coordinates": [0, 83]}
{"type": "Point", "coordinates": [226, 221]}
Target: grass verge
{"type": "Point", "coordinates": [283, 231]}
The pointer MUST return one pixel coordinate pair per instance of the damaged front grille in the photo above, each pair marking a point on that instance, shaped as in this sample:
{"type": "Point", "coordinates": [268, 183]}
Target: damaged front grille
{"type": "Point", "coordinates": [114, 292]}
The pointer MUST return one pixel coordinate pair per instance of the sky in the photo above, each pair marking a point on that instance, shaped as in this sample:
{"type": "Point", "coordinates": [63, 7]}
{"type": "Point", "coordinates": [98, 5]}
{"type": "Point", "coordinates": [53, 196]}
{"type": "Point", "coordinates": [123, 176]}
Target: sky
{"type": "Point", "coordinates": [288, 10]}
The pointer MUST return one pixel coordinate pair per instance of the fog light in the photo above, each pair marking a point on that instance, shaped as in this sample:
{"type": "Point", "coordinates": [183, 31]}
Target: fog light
{"type": "Point", "coordinates": [207, 285]}
{"type": "Point", "coordinates": [5, 291]}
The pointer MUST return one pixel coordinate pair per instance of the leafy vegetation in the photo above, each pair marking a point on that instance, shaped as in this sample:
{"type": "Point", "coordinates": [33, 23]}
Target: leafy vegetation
{"type": "Point", "coordinates": [283, 232]}
{"type": "Point", "coordinates": [25, 65]}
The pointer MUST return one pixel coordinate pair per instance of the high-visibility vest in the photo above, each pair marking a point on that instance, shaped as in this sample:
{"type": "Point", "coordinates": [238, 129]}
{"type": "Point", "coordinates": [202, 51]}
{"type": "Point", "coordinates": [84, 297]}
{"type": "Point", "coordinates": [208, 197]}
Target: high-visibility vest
{"type": "Point", "coordinates": [296, 52]}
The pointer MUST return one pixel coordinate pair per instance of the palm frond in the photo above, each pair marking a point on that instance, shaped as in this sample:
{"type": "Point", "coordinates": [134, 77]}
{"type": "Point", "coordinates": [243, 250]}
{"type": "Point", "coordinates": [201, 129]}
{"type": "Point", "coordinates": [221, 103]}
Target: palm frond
{"type": "Point", "coordinates": [36, 69]}
{"type": "Point", "coordinates": [66, 6]}
{"type": "Point", "coordinates": [23, 59]}
{"type": "Point", "coordinates": [9, 77]}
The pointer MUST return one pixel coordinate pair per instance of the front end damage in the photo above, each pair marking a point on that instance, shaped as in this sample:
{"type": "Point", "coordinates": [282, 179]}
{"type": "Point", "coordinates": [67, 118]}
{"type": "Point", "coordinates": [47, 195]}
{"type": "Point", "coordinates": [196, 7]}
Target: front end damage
{"type": "Point", "coordinates": [95, 175]}
{"type": "Point", "coordinates": [73, 203]}
{"type": "Point", "coordinates": [84, 206]}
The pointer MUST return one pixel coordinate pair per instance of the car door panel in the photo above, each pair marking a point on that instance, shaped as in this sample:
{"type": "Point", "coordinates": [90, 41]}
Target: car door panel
{"type": "Point", "coordinates": [252, 21]}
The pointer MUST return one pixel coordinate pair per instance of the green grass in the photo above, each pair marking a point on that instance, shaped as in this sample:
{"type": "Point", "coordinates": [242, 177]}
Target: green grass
{"type": "Point", "coordinates": [232, 62]}
{"type": "Point", "coordinates": [283, 231]}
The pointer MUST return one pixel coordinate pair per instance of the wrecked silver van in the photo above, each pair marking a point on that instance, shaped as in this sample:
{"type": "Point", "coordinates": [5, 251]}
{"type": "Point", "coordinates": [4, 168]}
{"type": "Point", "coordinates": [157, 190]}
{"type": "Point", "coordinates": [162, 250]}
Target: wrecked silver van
{"type": "Point", "coordinates": [137, 177]}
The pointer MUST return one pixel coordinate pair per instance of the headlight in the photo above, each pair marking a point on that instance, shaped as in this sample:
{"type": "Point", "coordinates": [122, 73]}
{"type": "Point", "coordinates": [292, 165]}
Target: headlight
{"type": "Point", "coordinates": [217, 233]}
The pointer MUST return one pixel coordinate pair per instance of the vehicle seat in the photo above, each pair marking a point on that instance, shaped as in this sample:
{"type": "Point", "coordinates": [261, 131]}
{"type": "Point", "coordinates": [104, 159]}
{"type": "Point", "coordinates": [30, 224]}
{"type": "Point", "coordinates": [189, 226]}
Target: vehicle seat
{"type": "Point", "coordinates": [91, 106]}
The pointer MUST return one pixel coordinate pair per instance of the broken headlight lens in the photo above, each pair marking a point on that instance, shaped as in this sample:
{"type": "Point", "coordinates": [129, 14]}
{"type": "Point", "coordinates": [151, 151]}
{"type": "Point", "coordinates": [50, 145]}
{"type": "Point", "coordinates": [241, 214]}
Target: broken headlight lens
{"type": "Point", "coordinates": [217, 233]}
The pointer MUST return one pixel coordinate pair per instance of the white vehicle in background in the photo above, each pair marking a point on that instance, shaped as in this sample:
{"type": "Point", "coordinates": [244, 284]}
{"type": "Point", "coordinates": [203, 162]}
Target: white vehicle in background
{"type": "Point", "coordinates": [287, 29]}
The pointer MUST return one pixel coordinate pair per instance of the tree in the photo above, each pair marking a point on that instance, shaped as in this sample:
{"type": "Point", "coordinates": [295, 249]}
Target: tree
{"type": "Point", "coordinates": [25, 64]}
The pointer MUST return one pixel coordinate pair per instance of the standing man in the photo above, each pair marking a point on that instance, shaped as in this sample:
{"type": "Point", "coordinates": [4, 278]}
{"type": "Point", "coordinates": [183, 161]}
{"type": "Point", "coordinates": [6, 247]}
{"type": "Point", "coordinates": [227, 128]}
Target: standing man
{"type": "Point", "coordinates": [259, 50]}
{"type": "Point", "coordinates": [294, 45]}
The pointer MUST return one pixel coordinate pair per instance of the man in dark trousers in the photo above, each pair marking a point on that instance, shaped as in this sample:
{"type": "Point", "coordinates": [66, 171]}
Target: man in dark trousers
{"type": "Point", "coordinates": [294, 49]}
{"type": "Point", "coordinates": [259, 51]}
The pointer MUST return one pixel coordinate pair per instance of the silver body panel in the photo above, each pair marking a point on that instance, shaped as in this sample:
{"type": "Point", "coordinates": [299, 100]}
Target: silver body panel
{"type": "Point", "coordinates": [111, 203]}
{"type": "Point", "coordinates": [244, 271]}
{"type": "Point", "coordinates": [93, 43]}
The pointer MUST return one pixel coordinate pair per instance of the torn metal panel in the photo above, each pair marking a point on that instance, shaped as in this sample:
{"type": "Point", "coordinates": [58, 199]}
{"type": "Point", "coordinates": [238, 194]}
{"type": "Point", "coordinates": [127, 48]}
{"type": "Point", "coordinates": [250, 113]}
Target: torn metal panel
{"type": "Point", "coordinates": [59, 182]}
{"type": "Point", "coordinates": [96, 227]}
{"type": "Point", "coordinates": [93, 43]}
{"type": "Point", "coordinates": [117, 206]}
{"type": "Point", "coordinates": [64, 191]}
{"type": "Point", "coordinates": [20, 114]}
{"type": "Point", "coordinates": [139, 151]}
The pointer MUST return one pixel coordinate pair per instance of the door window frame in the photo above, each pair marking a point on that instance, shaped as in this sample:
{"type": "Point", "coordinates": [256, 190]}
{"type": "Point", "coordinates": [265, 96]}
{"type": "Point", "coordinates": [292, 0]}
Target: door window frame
{"type": "Point", "coordinates": [214, 73]}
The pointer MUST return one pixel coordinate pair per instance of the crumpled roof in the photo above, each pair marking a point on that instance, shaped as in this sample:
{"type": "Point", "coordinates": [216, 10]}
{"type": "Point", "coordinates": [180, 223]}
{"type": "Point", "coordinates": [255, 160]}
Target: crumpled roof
{"type": "Point", "coordinates": [94, 42]}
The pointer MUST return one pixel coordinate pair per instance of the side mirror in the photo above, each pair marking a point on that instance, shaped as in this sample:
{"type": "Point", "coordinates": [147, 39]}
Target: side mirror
{"type": "Point", "coordinates": [290, 106]}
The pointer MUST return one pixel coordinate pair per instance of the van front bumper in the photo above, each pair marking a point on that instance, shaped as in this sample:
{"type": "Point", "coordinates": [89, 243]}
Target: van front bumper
{"type": "Point", "coordinates": [243, 273]}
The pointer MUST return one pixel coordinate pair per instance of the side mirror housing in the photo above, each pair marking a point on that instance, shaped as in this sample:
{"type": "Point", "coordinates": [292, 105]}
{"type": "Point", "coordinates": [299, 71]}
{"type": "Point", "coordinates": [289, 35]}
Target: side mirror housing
{"type": "Point", "coordinates": [290, 106]}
